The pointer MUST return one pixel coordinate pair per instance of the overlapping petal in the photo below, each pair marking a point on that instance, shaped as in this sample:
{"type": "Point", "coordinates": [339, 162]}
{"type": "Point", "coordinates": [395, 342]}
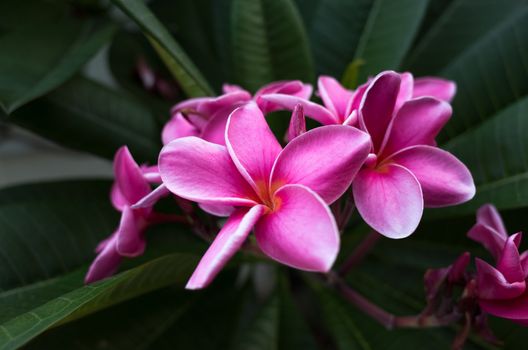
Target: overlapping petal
{"type": "Point", "coordinates": [444, 179]}
{"type": "Point", "coordinates": [492, 284]}
{"type": "Point", "coordinates": [297, 125]}
{"type": "Point", "coordinates": [129, 239]}
{"type": "Point", "coordinates": [489, 216]}
{"type": "Point", "coordinates": [324, 159]}
{"type": "Point", "coordinates": [436, 87]}
{"type": "Point", "coordinates": [389, 200]}
{"type": "Point", "coordinates": [301, 231]}
{"type": "Point", "coordinates": [225, 245]}
{"type": "Point", "coordinates": [293, 88]}
{"type": "Point", "coordinates": [178, 127]}
{"type": "Point", "coordinates": [335, 97]}
{"type": "Point", "coordinates": [129, 177]}
{"type": "Point", "coordinates": [509, 263]}
{"type": "Point", "coordinates": [105, 264]}
{"type": "Point", "coordinates": [489, 238]}
{"type": "Point", "coordinates": [311, 109]}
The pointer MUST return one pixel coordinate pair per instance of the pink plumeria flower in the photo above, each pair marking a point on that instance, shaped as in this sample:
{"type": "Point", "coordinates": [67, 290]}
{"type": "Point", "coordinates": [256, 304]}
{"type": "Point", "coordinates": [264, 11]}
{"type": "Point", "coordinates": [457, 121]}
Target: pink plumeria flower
{"type": "Point", "coordinates": [282, 193]}
{"type": "Point", "coordinates": [501, 290]}
{"type": "Point", "coordinates": [206, 117]}
{"type": "Point", "coordinates": [340, 105]}
{"type": "Point", "coordinates": [131, 184]}
{"type": "Point", "coordinates": [405, 171]}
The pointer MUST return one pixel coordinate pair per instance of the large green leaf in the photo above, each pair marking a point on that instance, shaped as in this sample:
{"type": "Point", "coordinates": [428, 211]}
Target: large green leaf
{"type": "Point", "coordinates": [182, 68]}
{"type": "Point", "coordinates": [44, 49]}
{"type": "Point", "coordinates": [458, 26]}
{"type": "Point", "coordinates": [269, 43]}
{"type": "Point", "coordinates": [91, 117]}
{"type": "Point", "coordinates": [379, 32]}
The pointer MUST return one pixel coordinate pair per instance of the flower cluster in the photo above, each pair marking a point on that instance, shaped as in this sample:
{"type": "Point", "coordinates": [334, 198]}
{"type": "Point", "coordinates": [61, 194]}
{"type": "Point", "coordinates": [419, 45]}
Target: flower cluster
{"type": "Point", "coordinates": [219, 152]}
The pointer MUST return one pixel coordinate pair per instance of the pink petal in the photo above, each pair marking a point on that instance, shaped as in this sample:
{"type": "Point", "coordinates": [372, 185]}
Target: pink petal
{"type": "Point", "coordinates": [225, 245]}
{"type": "Point", "coordinates": [509, 263]}
{"type": "Point", "coordinates": [417, 122]}
{"type": "Point", "coordinates": [293, 88]}
{"type": "Point", "coordinates": [301, 231]}
{"type": "Point", "coordinates": [489, 238]}
{"type": "Point", "coordinates": [324, 159]}
{"type": "Point", "coordinates": [177, 127]}
{"type": "Point", "coordinates": [297, 123]}
{"type": "Point", "coordinates": [445, 180]}
{"type": "Point", "coordinates": [228, 88]}
{"type": "Point", "coordinates": [151, 174]}
{"type": "Point", "coordinates": [493, 285]}
{"type": "Point", "coordinates": [152, 198]}
{"type": "Point", "coordinates": [436, 87]}
{"type": "Point", "coordinates": [203, 172]}
{"type": "Point", "coordinates": [252, 145]}
{"type": "Point", "coordinates": [406, 89]}
{"type": "Point", "coordinates": [214, 130]}
{"type": "Point", "coordinates": [357, 97]}
{"type": "Point", "coordinates": [188, 105]}
{"type": "Point", "coordinates": [129, 240]}
{"type": "Point", "coordinates": [217, 209]}
{"type": "Point", "coordinates": [389, 200]}
{"type": "Point", "coordinates": [378, 105]}
{"type": "Point", "coordinates": [335, 97]}
{"type": "Point", "coordinates": [488, 215]}
{"type": "Point", "coordinates": [213, 105]}
{"type": "Point", "coordinates": [514, 309]}
{"type": "Point", "coordinates": [129, 177]}
{"type": "Point", "coordinates": [311, 109]}
{"type": "Point", "coordinates": [104, 265]}
{"type": "Point", "coordinates": [119, 201]}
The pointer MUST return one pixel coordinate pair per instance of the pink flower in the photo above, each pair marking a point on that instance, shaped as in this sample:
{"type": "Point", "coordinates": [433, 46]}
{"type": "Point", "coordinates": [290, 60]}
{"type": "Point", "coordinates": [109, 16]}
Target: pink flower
{"type": "Point", "coordinates": [501, 290]}
{"type": "Point", "coordinates": [405, 171]}
{"type": "Point", "coordinates": [131, 184]}
{"type": "Point", "coordinates": [340, 105]}
{"type": "Point", "coordinates": [206, 117]}
{"type": "Point", "coordinates": [282, 193]}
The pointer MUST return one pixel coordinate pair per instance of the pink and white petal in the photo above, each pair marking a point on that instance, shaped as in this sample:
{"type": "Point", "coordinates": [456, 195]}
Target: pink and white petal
{"type": "Point", "coordinates": [324, 159]}
{"type": "Point", "coordinates": [214, 130]}
{"type": "Point", "coordinates": [378, 106]}
{"type": "Point", "coordinates": [151, 173]}
{"type": "Point", "coordinates": [436, 87]}
{"type": "Point", "coordinates": [390, 200]}
{"type": "Point", "coordinates": [217, 209]}
{"type": "Point", "coordinates": [417, 122]}
{"type": "Point", "coordinates": [489, 215]}
{"type": "Point", "coordinates": [297, 123]}
{"type": "Point", "coordinates": [226, 244]}
{"type": "Point", "coordinates": [129, 177]}
{"type": "Point", "coordinates": [152, 198]}
{"type": "Point", "coordinates": [104, 265]}
{"type": "Point", "coordinates": [406, 89]}
{"type": "Point", "coordinates": [301, 232]}
{"type": "Point", "coordinates": [129, 240]}
{"type": "Point", "coordinates": [177, 127]}
{"type": "Point", "coordinates": [491, 283]}
{"type": "Point", "coordinates": [445, 180]}
{"type": "Point", "coordinates": [352, 119]}
{"type": "Point", "coordinates": [489, 238]}
{"type": "Point", "coordinates": [228, 100]}
{"type": "Point", "coordinates": [189, 105]}
{"type": "Point", "coordinates": [293, 88]}
{"type": "Point", "coordinates": [203, 172]}
{"type": "Point", "coordinates": [357, 97]}
{"type": "Point", "coordinates": [228, 88]}
{"type": "Point", "coordinates": [335, 97]}
{"type": "Point", "coordinates": [311, 109]}
{"type": "Point", "coordinates": [117, 198]}
{"type": "Point", "coordinates": [514, 309]}
{"type": "Point", "coordinates": [252, 145]}
{"type": "Point", "coordinates": [509, 263]}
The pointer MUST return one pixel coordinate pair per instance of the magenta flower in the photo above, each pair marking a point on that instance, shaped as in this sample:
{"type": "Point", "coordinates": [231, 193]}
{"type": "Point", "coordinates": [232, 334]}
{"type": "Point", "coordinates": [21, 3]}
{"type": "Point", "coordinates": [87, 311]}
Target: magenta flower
{"type": "Point", "coordinates": [206, 117]}
{"type": "Point", "coordinates": [405, 171]}
{"type": "Point", "coordinates": [340, 105]}
{"type": "Point", "coordinates": [131, 184]}
{"type": "Point", "coordinates": [501, 290]}
{"type": "Point", "coordinates": [282, 193]}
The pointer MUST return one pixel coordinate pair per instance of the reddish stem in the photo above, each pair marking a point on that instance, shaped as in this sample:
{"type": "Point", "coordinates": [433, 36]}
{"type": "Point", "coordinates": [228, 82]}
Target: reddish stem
{"type": "Point", "coordinates": [359, 253]}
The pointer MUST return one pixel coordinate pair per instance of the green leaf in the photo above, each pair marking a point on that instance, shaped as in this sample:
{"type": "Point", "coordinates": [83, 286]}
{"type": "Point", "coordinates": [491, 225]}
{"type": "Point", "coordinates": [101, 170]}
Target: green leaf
{"type": "Point", "coordinates": [179, 64]}
{"type": "Point", "coordinates": [170, 269]}
{"type": "Point", "coordinates": [378, 32]}
{"type": "Point", "coordinates": [91, 117]}
{"type": "Point", "coordinates": [37, 56]}
{"type": "Point", "coordinates": [350, 78]}
{"type": "Point", "coordinates": [459, 26]}
{"type": "Point", "coordinates": [269, 43]}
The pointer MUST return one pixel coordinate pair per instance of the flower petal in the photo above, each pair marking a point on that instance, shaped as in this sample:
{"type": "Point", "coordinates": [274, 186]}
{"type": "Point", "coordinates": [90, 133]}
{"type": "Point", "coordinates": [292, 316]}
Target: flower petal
{"type": "Point", "coordinates": [129, 240]}
{"type": "Point", "coordinates": [203, 172]}
{"type": "Point", "coordinates": [214, 130]}
{"type": "Point", "coordinates": [514, 309]}
{"type": "Point", "coordinates": [488, 215]}
{"type": "Point", "coordinates": [436, 87]}
{"type": "Point", "coordinates": [417, 122]}
{"type": "Point", "coordinates": [509, 263]}
{"type": "Point", "coordinates": [226, 244]}
{"type": "Point", "coordinates": [301, 232]}
{"type": "Point", "coordinates": [335, 97]}
{"type": "Point", "coordinates": [152, 198]}
{"type": "Point", "coordinates": [492, 284]}
{"type": "Point", "coordinates": [297, 123]}
{"type": "Point", "coordinates": [445, 180]}
{"type": "Point", "coordinates": [489, 238]}
{"type": "Point", "coordinates": [217, 209]}
{"type": "Point", "coordinates": [406, 89]}
{"type": "Point", "coordinates": [213, 105]}
{"type": "Point", "coordinates": [227, 88]}
{"type": "Point", "coordinates": [105, 264]}
{"type": "Point", "coordinates": [177, 127]}
{"type": "Point", "coordinates": [378, 105]}
{"type": "Point", "coordinates": [390, 201]}
{"type": "Point", "coordinates": [129, 177]}
{"type": "Point", "coordinates": [311, 109]}
{"type": "Point", "coordinates": [324, 159]}
{"type": "Point", "coordinates": [293, 88]}
{"type": "Point", "coordinates": [252, 145]}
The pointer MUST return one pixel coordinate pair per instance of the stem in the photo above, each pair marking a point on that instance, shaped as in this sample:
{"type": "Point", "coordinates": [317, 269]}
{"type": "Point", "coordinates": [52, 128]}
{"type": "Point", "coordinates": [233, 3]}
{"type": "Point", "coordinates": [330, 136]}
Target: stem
{"type": "Point", "coordinates": [359, 253]}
